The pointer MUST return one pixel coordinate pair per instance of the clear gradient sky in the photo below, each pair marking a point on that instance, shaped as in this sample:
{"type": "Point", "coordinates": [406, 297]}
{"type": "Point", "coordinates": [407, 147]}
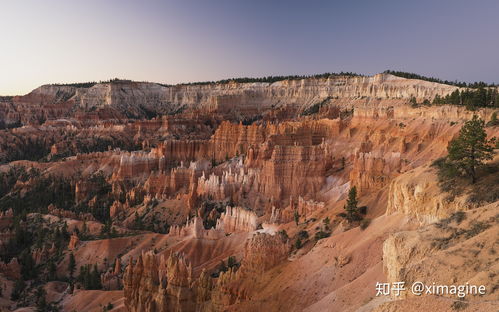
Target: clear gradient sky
{"type": "Point", "coordinates": [179, 41]}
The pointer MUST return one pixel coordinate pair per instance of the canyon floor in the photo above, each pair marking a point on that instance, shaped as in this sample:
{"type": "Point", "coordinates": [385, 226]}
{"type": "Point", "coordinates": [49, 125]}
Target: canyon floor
{"type": "Point", "coordinates": [125, 196]}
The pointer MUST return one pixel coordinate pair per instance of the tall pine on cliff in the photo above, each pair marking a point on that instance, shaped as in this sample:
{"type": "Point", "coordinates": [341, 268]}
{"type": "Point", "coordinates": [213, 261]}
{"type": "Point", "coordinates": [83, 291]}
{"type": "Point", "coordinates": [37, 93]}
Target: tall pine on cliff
{"type": "Point", "coordinates": [471, 148]}
{"type": "Point", "coordinates": [351, 208]}
{"type": "Point", "coordinates": [71, 265]}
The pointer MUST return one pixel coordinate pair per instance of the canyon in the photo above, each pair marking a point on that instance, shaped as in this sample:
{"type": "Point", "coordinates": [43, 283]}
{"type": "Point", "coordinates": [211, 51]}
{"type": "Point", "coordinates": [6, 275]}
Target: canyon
{"type": "Point", "coordinates": [136, 196]}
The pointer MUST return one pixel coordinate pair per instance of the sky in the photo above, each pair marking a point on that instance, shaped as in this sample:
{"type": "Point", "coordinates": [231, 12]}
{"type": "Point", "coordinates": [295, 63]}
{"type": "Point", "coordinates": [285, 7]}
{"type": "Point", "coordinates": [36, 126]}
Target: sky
{"type": "Point", "coordinates": [60, 41]}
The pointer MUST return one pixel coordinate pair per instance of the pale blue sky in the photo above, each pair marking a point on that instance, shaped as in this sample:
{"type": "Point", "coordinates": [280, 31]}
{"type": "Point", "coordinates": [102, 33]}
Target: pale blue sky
{"type": "Point", "coordinates": [179, 41]}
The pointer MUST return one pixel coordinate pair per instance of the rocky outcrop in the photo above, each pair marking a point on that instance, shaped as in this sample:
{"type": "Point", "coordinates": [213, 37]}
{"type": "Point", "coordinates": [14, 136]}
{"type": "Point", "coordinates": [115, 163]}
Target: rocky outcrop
{"type": "Point", "coordinates": [373, 170]}
{"type": "Point", "coordinates": [61, 213]}
{"type": "Point", "coordinates": [121, 99]}
{"type": "Point", "coordinates": [416, 194]}
{"type": "Point", "coordinates": [230, 184]}
{"type": "Point", "coordinates": [116, 209]}
{"type": "Point", "coordinates": [136, 164]}
{"type": "Point", "coordinates": [264, 251]}
{"type": "Point", "coordinates": [284, 215]}
{"type": "Point", "coordinates": [12, 269]}
{"type": "Point", "coordinates": [306, 208]}
{"type": "Point", "coordinates": [159, 284]}
{"type": "Point", "coordinates": [237, 219]}
{"type": "Point", "coordinates": [251, 96]}
{"type": "Point", "coordinates": [451, 252]}
{"type": "Point", "coordinates": [194, 228]}
{"type": "Point", "coordinates": [74, 241]}
{"type": "Point", "coordinates": [289, 170]}
{"type": "Point", "coordinates": [112, 279]}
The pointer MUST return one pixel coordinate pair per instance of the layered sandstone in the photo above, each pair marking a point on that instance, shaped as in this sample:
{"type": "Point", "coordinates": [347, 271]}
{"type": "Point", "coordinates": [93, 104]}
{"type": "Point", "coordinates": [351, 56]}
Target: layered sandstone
{"type": "Point", "coordinates": [373, 170]}
{"type": "Point", "coordinates": [252, 96]}
{"type": "Point", "coordinates": [231, 156]}
{"type": "Point", "coordinates": [163, 284]}
{"type": "Point", "coordinates": [264, 251]}
{"type": "Point", "coordinates": [416, 194]}
{"type": "Point", "coordinates": [194, 228]}
{"type": "Point", "coordinates": [454, 251]}
{"type": "Point", "coordinates": [137, 99]}
{"type": "Point", "coordinates": [236, 219]}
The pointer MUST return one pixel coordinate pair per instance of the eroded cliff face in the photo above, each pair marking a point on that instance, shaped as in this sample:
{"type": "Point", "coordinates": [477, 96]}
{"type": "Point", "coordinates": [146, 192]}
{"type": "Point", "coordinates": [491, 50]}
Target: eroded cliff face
{"type": "Point", "coordinates": [417, 195]}
{"type": "Point", "coordinates": [454, 251]}
{"type": "Point", "coordinates": [138, 99]}
{"type": "Point", "coordinates": [160, 283]}
{"type": "Point", "coordinates": [226, 204]}
{"type": "Point", "coordinates": [255, 97]}
{"type": "Point", "coordinates": [163, 284]}
{"type": "Point", "coordinates": [237, 219]}
{"type": "Point", "coordinates": [263, 252]}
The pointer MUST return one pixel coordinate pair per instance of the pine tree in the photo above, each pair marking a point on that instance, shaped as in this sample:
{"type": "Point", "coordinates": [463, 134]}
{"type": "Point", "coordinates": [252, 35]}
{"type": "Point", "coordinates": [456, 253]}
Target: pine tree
{"type": "Point", "coordinates": [493, 120]}
{"type": "Point", "coordinates": [64, 231]}
{"type": "Point", "coordinates": [138, 225]}
{"type": "Point", "coordinates": [28, 266]}
{"type": "Point", "coordinates": [71, 265]}
{"type": "Point", "coordinates": [298, 243]}
{"type": "Point", "coordinates": [471, 148]}
{"type": "Point", "coordinates": [413, 101]}
{"type": "Point", "coordinates": [106, 229]}
{"type": "Point", "coordinates": [19, 286]}
{"type": "Point", "coordinates": [222, 267]}
{"type": "Point", "coordinates": [41, 302]}
{"type": "Point", "coordinates": [83, 276]}
{"type": "Point", "coordinates": [297, 217]}
{"type": "Point", "coordinates": [231, 262]}
{"type": "Point", "coordinates": [326, 223]}
{"type": "Point", "coordinates": [84, 230]}
{"type": "Point", "coordinates": [52, 270]}
{"type": "Point", "coordinates": [95, 278]}
{"type": "Point", "coordinates": [351, 205]}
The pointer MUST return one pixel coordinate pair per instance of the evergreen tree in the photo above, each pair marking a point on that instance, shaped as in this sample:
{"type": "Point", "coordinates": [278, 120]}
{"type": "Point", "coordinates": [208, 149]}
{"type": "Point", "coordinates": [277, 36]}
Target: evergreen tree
{"type": "Point", "coordinates": [90, 278]}
{"type": "Point", "coordinates": [41, 302]}
{"type": "Point", "coordinates": [232, 262]}
{"type": "Point", "coordinates": [440, 100]}
{"type": "Point", "coordinates": [326, 223]}
{"type": "Point", "coordinates": [83, 277]}
{"type": "Point", "coordinates": [413, 101]}
{"type": "Point", "coordinates": [298, 243]}
{"type": "Point", "coordinates": [493, 120]}
{"type": "Point", "coordinates": [84, 231]}
{"type": "Point", "coordinates": [114, 233]}
{"type": "Point", "coordinates": [106, 229]}
{"type": "Point", "coordinates": [471, 148]}
{"type": "Point", "coordinates": [95, 278]}
{"type": "Point", "coordinates": [222, 267]}
{"type": "Point", "coordinates": [18, 289]}
{"type": "Point", "coordinates": [351, 205]}
{"type": "Point", "coordinates": [297, 217]}
{"type": "Point", "coordinates": [64, 231]}
{"type": "Point", "coordinates": [28, 266]}
{"type": "Point", "coordinates": [52, 270]}
{"type": "Point", "coordinates": [138, 224]}
{"type": "Point", "coordinates": [71, 265]}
